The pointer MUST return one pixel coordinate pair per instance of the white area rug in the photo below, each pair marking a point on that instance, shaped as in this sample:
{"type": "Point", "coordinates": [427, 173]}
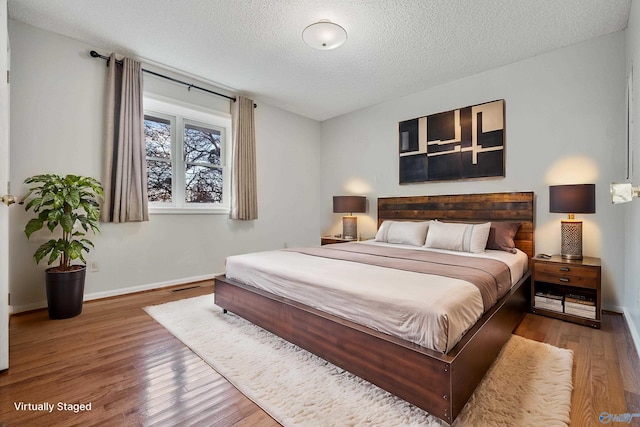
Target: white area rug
{"type": "Point", "coordinates": [528, 385]}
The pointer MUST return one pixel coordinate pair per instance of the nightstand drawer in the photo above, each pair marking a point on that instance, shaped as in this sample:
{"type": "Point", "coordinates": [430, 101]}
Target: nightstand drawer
{"type": "Point", "coordinates": [561, 270]}
{"type": "Point", "coordinates": [558, 279]}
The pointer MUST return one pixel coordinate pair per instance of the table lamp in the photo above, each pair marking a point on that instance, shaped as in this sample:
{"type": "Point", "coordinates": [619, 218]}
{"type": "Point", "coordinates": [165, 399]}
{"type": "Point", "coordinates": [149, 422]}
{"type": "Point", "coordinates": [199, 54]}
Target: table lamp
{"type": "Point", "coordinates": [350, 204]}
{"type": "Point", "coordinates": [572, 199]}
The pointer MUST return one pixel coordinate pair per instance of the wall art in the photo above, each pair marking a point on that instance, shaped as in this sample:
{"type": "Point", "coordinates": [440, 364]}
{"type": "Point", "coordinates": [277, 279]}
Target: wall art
{"type": "Point", "coordinates": [467, 143]}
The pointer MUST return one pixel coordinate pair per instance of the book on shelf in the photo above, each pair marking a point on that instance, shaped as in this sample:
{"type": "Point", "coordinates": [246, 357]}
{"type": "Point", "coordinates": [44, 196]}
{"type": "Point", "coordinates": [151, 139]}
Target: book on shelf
{"type": "Point", "coordinates": [585, 302]}
{"type": "Point", "coordinates": [580, 307]}
{"type": "Point", "coordinates": [548, 299]}
{"type": "Point", "coordinates": [581, 313]}
{"type": "Point", "coordinates": [548, 295]}
{"type": "Point", "coordinates": [581, 297]}
{"type": "Point", "coordinates": [548, 306]}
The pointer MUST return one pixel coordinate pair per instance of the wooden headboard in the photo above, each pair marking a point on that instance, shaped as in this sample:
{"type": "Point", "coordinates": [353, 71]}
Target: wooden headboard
{"type": "Point", "coordinates": [472, 208]}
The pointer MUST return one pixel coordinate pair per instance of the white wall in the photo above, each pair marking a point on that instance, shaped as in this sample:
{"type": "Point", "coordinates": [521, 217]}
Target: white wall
{"type": "Point", "coordinates": [632, 210]}
{"type": "Point", "coordinates": [57, 98]}
{"type": "Point", "coordinates": [564, 125]}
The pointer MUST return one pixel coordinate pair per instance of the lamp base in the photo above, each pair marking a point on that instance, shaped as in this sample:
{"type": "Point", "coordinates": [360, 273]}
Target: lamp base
{"type": "Point", "coordinates": [350, 227]}
{"type": "Point", "coordinates": [571, 232]}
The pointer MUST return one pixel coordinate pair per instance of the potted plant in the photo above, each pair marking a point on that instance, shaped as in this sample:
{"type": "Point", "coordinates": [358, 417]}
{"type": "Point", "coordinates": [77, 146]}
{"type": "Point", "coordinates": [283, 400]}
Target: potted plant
{"type": "Point", "coordinates": [68, 206]}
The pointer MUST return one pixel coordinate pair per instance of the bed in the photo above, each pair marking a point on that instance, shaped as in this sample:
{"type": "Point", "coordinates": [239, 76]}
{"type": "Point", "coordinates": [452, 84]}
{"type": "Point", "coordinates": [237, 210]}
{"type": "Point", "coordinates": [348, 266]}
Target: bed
{"type": "Point", "coordinates": [438, 381]}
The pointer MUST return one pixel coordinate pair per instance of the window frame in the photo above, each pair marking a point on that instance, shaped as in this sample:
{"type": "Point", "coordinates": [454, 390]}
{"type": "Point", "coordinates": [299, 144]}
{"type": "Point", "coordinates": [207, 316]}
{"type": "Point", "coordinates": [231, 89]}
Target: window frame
{"type": "Point", "coordinates": [180, 113]}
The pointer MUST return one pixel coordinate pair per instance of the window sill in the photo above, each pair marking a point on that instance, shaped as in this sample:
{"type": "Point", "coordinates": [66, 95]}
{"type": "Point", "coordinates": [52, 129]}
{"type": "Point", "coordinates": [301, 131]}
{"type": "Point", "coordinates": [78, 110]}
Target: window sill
{"type": "Point", "coordinates": [170, 210]}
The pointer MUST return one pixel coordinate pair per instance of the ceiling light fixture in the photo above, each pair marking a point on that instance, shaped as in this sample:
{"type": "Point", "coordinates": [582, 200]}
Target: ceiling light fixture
{"type": "Point", "coordinates": [324, 35]}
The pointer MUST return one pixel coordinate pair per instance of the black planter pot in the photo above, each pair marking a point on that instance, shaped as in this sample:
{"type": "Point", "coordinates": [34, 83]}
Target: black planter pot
{"type": "Point", "coordinates": [65, 292]}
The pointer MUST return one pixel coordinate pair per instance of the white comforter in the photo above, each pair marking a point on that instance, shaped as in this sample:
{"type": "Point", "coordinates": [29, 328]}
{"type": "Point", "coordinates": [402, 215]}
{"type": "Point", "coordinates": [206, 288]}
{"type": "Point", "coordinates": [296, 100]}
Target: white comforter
{"type": "Point", "coordinates": [429, 310]}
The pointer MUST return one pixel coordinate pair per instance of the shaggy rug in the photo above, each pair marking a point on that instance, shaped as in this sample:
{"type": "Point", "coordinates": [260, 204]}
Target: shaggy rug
{"type": "Point", "coordinates": [528, 385]}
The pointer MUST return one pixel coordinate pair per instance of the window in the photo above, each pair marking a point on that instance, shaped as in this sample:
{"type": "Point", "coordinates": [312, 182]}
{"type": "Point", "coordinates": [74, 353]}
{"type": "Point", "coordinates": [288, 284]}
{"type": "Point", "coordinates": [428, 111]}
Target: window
{"type": "Point", "coordinates": [187, 158]}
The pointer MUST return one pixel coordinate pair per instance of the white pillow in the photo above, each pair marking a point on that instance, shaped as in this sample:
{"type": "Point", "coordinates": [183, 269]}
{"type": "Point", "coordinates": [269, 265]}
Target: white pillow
{"type": "Point", "coordinates": [403, 232]}
{"type": "Point", "coordinates": [458, 237]}
{"type": "Point", "coordinates": [381, 235]}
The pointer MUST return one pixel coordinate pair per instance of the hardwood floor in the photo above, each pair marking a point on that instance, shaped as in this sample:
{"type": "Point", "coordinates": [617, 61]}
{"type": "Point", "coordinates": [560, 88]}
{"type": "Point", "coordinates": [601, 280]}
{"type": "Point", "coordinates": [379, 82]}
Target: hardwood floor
{"type": "Point", "coordinates": [606, 369]}
{"type": "Point", "coordinates": [134, 372]}
{"type": "Point", "coordinates": [116, 357]}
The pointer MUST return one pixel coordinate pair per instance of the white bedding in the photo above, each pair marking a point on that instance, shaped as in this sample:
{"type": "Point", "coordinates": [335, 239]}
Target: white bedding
{"type": "Point", "coordinates": [429, 310]}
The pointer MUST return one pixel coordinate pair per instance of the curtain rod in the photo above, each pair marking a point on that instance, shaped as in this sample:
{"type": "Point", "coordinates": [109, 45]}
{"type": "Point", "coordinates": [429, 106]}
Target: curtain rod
{"type": "Point", "coordinates": [95, 54]}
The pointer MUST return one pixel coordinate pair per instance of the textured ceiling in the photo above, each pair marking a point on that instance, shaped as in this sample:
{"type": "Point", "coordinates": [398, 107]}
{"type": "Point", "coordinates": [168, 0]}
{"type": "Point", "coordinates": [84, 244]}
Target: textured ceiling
{"type": "Point", "coordinates": [394, 47]}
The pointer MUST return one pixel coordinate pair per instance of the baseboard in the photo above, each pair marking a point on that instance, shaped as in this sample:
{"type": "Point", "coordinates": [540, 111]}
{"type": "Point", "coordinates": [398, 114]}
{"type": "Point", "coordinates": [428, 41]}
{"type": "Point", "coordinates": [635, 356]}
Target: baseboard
{"type": "Point", "coordinates": [13, 309]}
{"type": "Point", "coordinates": [148, 287]}
{"type": "Point", "coordinates": [635, 335]}
{"type": "Point", "coordinates": [614, 308]}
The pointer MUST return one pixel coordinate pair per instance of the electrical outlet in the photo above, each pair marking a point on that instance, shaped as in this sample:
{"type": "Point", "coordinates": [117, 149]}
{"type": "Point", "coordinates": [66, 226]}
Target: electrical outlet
{"type": "Point", "coordinates": [94, 266]}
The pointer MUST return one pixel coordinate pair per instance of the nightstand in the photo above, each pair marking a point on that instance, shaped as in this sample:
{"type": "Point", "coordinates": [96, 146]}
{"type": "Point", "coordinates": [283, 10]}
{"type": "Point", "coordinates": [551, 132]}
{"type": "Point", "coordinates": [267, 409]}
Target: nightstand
{"type": "Point", "coordinates": [567, 289]}
{"type": "Point", "coordinates": [328, 240]}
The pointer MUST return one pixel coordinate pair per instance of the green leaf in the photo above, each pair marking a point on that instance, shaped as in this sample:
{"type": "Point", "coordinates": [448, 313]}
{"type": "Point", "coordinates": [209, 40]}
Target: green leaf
{"type": "Point", "coordinates": [88, 242]}
{"type": "Point", "coordinates": [67, 221]}
{"type": "Point", "coordinates": [43, 250]}
{"type": "Point", "coordinates": [73, 198]}
{"type": "Point", "coordinates": [71, 180]}
{"type": "Point", "coordinates": [34, 202]}
{"type": "Point", "coordinates": [84, 222]}
{"type": "Point", "coordinates": [32, 226]}
{"type": "Point", "coordinates": [54, 215]}
{"type": "Point", "coordinates": [92, 211]}
{"type": "Point", "coordinates": [53, 219]}
{"type": "Point", "coordinates": [74, 250]}
{"type": "Point", "coordinates": [33, 179]}
{"type": "Point", "coordinates": [55, 254]}
{"type": "Point", "coordinates": [62, 245]}
{"type": "Point", "coordinates": [58, 201]}
{"type": "Point", "coordinates": [47, 199]}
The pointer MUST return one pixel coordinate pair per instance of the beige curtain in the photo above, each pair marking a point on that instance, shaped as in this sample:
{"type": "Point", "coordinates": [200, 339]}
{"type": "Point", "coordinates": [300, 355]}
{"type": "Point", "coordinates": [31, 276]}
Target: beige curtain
{"type": "Point", "coordinates": [244, 195]}
{"type": "Point", "coordinates": [125, 168]}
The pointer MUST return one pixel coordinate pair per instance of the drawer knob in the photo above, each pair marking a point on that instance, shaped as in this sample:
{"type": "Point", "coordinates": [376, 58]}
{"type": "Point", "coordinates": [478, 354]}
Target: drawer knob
{"type": "Point", "coordinates": [564, 279]}
{"type": "Point", "coordinates": [564, 268]}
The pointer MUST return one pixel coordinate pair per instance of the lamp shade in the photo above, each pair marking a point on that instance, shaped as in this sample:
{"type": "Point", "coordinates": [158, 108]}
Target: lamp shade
{"type": "Point", "coordinates": [572, 199]}
{"type": "Point", "coordinates": [349, 204]}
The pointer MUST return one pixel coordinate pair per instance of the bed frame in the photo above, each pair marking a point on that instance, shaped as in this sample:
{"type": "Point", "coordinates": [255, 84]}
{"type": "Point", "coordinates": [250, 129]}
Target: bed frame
{"type": "Point", "coordinates": [439, 383]}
